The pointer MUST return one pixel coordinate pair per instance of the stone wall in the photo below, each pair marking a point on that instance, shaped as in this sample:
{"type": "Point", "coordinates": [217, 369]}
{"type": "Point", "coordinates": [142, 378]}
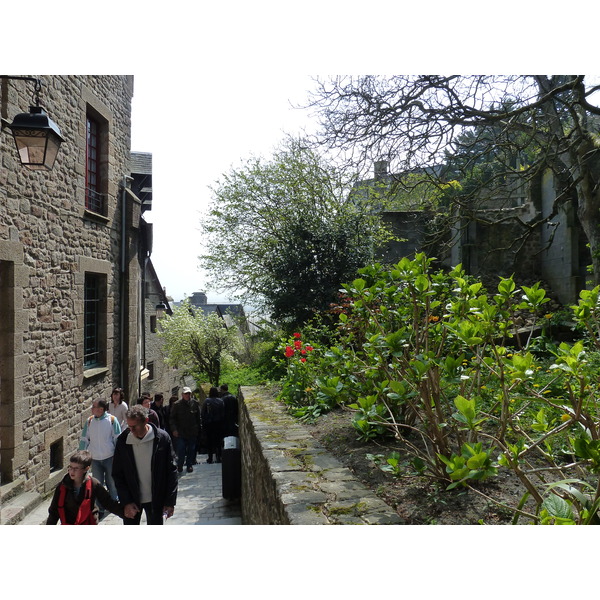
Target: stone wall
{"type": "Point", "coordinates": [564, 256]}
{"type": "Point", "coordinates": [164, 378]}
{"type": "Point", "coordinates": [289, 479]}
{"type": "Point", "coordinates": [48, 242]}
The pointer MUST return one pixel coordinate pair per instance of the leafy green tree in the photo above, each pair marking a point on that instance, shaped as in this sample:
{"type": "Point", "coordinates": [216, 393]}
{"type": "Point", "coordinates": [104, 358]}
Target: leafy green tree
{"type": "Point", "coordinates": [417, 192]}
{"type": "Point", "coordinates": [284, 233]}
{"type": "Point", "coordinates": [527, 124]}
{"type": "Point", "coordinates": [201, 343]}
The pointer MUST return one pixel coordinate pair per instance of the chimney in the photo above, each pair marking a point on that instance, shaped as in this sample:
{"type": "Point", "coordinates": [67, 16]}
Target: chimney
{"type": "Point", "coordinates": [381, 169]}
{"type": "Point", "coordinates": [198, 299]}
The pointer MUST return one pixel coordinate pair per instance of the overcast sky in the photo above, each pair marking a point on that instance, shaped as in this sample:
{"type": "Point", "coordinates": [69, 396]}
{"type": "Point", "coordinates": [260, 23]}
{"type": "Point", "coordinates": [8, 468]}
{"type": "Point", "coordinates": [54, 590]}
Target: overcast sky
{"type": "Point", "coordinates": [196, 130]}
{"type": "Point", "coordinates": [213, 81]}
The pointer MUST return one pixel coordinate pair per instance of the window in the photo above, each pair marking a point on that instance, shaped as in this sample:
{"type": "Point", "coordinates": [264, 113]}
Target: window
{"type": "Point", "coordinates": [56, 456]}
{"type": "Point", "coordinates": [94, 349]}
{"type": "Point", "coordinates": [93, 321]}
{"type": "Point", "coordinates": [150, 367]}
{"type": "Point", "coordinates": [95, 192]}
{"type": "Point", "coordinates": [152, 323]}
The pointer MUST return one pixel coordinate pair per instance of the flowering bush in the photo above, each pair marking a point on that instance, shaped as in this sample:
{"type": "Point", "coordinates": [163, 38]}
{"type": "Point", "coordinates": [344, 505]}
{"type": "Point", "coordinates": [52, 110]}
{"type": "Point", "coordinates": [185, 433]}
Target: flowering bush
{"type": "Point", "coordinates": [297, 390]}
{"type": "Point", "coordinates": [435, 360]}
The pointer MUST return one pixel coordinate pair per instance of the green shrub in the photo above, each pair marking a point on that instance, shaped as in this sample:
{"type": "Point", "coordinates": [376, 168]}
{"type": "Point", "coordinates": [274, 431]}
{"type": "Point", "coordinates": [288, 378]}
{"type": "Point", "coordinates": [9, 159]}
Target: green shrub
{"type": "Point", "coordinates": [433, 359]}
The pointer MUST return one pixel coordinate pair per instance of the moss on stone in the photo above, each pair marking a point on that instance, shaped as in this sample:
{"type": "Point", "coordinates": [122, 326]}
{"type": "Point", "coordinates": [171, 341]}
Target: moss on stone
{"type": "Point", "coordinates": [355, 509]}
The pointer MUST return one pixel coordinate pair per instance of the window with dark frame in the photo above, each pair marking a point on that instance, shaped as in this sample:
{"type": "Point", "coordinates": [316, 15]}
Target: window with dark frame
{"type": "Point", "coordinates": [94, 198]}
{"type": "Point", "coordinates": [92, 304]}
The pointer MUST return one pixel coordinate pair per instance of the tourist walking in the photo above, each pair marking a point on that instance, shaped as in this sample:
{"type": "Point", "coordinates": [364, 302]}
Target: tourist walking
{"type": "Point", "coordinates": [74, 498]}
{"type": "Point", "coordinates": [185, 428]}
{"type": "Point", "coordinates": [152, 415]}
{"type": "Point", "coordinates": [118, 407]}
{"type": "Point", "coordinates": [158, 406]}
{"type": "Point", "coordinates": [230, 412]}
{"type": "Point", "coordinates": [167, 413]}
{"type": "Point", "coordinates": [99, 437]}
{"type": "Point", "coordinates": [212, 423]}
{"type": "Point", "coordinates": [144, 470]}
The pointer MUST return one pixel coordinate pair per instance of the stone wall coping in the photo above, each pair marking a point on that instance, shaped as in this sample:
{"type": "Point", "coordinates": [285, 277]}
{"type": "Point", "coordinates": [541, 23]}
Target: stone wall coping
{"type": "Point", "coordinates": [311, 485]}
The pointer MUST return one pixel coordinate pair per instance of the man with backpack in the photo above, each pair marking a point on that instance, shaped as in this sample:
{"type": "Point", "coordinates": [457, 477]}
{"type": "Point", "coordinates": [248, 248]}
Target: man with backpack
{"type": "Point", "coordinates": [99, 437]}
{"type": "Point", "coordinates": [73, 500]}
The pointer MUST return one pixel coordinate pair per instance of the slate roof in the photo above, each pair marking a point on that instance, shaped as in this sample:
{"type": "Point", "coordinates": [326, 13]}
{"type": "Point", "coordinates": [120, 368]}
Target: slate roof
{"type": "Point", "coordinates": [141, 162]}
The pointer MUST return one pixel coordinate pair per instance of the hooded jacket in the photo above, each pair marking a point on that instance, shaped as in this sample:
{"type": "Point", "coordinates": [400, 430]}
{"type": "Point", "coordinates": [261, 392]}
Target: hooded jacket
{"type": "Point", "coordinates": [163, 468]}
{"type": "Point", "coordinates": [99, 436]}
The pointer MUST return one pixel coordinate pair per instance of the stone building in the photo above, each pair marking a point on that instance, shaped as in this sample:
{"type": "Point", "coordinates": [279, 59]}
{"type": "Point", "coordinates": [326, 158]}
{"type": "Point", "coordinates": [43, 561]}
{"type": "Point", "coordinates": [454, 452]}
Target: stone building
{"type": "Point", "coordinates": [157, 377]}
{"type": "Point", "coordinates": [232, 314]}
{"type": "Point", "coordinates": [494, 237]}
{"type": "Point", "coordinates": [73, 244]}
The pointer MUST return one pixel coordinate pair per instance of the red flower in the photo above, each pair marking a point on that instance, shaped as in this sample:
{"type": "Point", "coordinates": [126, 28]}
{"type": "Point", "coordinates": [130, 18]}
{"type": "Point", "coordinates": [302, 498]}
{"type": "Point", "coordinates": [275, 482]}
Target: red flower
{"type": "Point", "coordinates": [302, 360]}
{"type": "Point", "coordinates": [289, 351]}
{"type": "Point", "coordinates": [297, 344]}
{"type": "Point", "coordinates": [297, 336]}
{"type": "Point", "coordinates": [309, 348]}
{"type": "Point", "coordinates": [302, 351]}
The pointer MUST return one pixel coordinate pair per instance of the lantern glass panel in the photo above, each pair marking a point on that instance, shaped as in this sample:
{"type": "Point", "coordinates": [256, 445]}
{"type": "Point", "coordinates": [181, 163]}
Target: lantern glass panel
{"type": "Point", "coordinates": [37, 149]}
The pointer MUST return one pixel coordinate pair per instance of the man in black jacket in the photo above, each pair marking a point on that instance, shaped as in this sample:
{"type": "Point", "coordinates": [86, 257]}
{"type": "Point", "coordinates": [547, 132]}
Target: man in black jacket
{"type": "Point", "coordinates": [144, 470]}
{"type": "Point", "coordinates": [230, 408]}
{"type": "Point", "coordinates": [185, 429]}
{"type": "Point", "coordinates": [212, 422]}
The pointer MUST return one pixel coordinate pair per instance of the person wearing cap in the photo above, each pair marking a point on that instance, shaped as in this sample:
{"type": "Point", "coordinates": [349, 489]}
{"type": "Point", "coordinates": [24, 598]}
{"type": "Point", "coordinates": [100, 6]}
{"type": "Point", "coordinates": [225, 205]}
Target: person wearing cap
{"type": "Point", "coordinates": [185, 427]}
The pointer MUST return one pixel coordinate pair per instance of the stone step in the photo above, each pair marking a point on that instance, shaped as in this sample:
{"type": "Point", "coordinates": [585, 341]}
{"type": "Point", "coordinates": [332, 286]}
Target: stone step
{"type": "Point", "coordinates": [18, 507]}
{"type": "Point", "coordinates": [38, 515]}
{"type": "Point", "coordinates": [11, 489]}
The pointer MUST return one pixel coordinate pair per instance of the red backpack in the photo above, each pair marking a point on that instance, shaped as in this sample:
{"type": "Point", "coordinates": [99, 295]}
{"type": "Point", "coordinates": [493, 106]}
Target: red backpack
{"type": "Point", "coordinates": [85, 515]}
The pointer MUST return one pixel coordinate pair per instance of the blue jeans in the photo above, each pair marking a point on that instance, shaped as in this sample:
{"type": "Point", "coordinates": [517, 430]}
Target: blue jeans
{"type": "Point", "coordinates": [186, 451]}
{"type": "Point", "coordinates": [102, 471]}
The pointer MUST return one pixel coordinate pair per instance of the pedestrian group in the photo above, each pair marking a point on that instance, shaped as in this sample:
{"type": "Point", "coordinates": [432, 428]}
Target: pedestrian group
{"type": "Point", "coordinates": [136, 454]}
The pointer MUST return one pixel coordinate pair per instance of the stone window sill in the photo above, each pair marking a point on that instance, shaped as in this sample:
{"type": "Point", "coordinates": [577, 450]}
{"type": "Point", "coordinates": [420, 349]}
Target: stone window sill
{"type": "Point", "coordinates": [90, 373]}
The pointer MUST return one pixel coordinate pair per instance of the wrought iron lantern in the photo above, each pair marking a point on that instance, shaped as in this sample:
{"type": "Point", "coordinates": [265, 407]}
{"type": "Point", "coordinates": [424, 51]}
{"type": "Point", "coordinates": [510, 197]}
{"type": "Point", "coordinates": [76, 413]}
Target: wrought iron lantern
{"type": "Point", "coordinates": [36, 135]}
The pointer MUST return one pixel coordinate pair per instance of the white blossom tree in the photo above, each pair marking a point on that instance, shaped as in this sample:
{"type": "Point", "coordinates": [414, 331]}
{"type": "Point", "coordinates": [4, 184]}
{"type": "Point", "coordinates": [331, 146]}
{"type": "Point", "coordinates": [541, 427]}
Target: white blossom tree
{"type": "Point", "coordinates": [200, 343]}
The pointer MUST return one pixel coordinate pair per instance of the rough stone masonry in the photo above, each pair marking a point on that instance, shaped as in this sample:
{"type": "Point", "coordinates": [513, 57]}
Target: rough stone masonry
{"type": "Point", "coordinates": [289, 479]}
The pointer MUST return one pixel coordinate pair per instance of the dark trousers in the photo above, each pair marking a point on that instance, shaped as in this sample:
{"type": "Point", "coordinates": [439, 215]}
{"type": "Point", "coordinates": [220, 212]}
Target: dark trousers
{"type": "Point", "coordinates": [186, 451]}
{"type": "Point", "coordinates": [152, 518]}
{"type": "Point", "coordinates": [214, 438]}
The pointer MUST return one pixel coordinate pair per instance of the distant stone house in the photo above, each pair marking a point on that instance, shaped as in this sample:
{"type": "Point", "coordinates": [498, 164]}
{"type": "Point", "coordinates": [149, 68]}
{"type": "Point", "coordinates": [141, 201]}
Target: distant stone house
{"type": "Point", "coordinates": [156, 376]}
{"type": "Point", "coordinates": [228, 312]}
{"type": "Point", "coordinates": [494, 239]}
{"type": "Point", "coordinates": [498, 240]}
{"type": "Point", "coordinates": [71, 242]}
{"type": "Point", "coordinates": [410, 228]}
